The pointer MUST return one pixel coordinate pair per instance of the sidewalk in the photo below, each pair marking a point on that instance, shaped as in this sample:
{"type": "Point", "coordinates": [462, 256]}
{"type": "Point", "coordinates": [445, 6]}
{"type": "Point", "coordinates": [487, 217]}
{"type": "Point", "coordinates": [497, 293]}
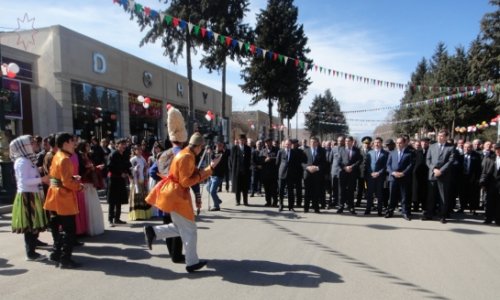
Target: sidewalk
{"type": "Point", "coordinates": [255, 252]}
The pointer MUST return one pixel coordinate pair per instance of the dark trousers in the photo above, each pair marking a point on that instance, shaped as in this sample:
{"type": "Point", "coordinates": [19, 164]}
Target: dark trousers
{"type": "Point", "coordinates": [271, 190]}
{"type": "Point", "coordinates": [255, 184]}
{"type": "Point", "coordinates": [375, 186]}
{"type": "Point", "coordinates": [334, 197]}
{"type": "Point", "coordinates": [360, 189]}
{"type": "Point", "coordinates": [399, 189]}
{"type": "Point", "coordinates": [63, 230]}
{"type": "Point", "coordinates": [347, 185]}
{"type": "Point", "coordinates": [298, 191]}
{"type": "Point", "coordinates": [468, 193]}
{"type": "Point", "coordinates": [290, 186]}
{"type": "Point", "coordinates": [438, 194]}
{"type": "Point", "coordinates": [492, 209]}
{"type": "Point", "coordinates": [114, 211]}
{"type": "Point", "coordinates": [242, 188]}
{"type": "Point", "coordinates": [30, 243]}
{"type": "Point", "coordinates": [313, 192]}
{"type": "Point", "coordinates": [174, 245]}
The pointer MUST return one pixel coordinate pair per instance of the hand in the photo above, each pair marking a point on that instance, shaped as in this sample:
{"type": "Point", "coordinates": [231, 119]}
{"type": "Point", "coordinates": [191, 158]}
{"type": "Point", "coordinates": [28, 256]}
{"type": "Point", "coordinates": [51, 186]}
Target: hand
{"type": "Point", "coordinates": [99, 167]}
{"type": "Point", "coordinates": [374, 174]}
{"type": "Point", "coordinates": [348, 169]}
{"type": "Point", "coordinates": [46, 179]}
{"type": "Point", "coordinates": [437, 172]}
{"type": "Point", "coordinates": [215, 162]}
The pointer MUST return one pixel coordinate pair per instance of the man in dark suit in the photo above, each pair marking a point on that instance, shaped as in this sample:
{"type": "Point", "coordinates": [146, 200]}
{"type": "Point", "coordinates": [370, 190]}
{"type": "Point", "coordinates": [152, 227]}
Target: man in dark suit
{"type": "Point", "coordinates": [349, 160]}
{"type": "Point", "coordinates": [269, 172]}
{"type": "Point", "coordinates": [440, 158]}
{"type": "Point", "coordinates": [239, 165]}
{"type": "Point", "coordinates": [399, 168]}
{"type": "Point", "coordinates": [420, 186]}
{"type": "Point", "coordinates": [314, 168]}
{"type": "Point", "coordinates": [375, 173]}
{"type": "Point", "coordinates": [468, 188]}
{"type": "Point", "coordinates": [335, 171]}
{"type": "Point", "coordinates": [361, 183]}
{"type": "Point", "coordinates": [490, 180]}
{"type": "Point", "coordinates": [290, 173]}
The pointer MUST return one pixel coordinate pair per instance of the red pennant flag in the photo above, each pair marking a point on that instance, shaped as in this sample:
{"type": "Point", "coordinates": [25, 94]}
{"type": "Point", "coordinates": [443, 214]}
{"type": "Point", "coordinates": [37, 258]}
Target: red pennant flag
{"type": "Point", "coordinates": [296, 62]}
{"type": "Point", "coordinates": [228, 41]}
{"type": "Point", "coordinates": [203, 31]}
{"type": "Point", "coordinates": [175, 21]}
{"type": "Point", "coordinates": [275, 56]}
{"type": "Point", "coordinates": [116, 1]}
{"type": "Point", "coordinates": [252, 49]}
{"type": "Point", "coordinates": [147, 11]}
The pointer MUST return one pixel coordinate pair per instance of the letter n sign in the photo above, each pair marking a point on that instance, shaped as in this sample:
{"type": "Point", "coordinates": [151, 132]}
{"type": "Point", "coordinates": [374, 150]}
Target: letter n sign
{"type": "Point", "coordinates": [99, 63]}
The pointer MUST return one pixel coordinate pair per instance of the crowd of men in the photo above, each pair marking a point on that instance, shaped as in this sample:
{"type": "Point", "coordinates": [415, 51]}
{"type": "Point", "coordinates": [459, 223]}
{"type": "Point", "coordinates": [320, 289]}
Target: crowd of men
{"type": "Point", "coordinates": [438, 178]}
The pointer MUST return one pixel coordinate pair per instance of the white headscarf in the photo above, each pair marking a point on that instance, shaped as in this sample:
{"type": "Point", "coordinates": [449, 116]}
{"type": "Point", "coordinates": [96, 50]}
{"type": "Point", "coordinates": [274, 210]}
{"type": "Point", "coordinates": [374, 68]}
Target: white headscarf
{"type": "Point", "coordinates": [21, 147]}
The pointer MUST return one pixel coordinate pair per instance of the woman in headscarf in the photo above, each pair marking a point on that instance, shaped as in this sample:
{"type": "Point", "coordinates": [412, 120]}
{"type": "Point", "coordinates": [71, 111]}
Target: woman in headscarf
{"type": "Point", "coordinates": [28, 216]}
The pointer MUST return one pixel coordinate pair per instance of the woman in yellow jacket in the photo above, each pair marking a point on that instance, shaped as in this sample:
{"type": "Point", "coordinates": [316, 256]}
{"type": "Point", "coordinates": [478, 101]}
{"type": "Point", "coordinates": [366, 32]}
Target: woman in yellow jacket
{"type": "Point", "coordinates": [173, 195]}
{"type": "Point", "coordinates": [61, 202]}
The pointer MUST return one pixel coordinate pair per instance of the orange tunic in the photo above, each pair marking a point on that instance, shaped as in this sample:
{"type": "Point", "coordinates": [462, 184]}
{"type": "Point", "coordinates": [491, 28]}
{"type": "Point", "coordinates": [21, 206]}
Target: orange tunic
{"type": "Point", "coordinates": [172, 194]}
{"type": "Point", "coordinates": [61, 198]}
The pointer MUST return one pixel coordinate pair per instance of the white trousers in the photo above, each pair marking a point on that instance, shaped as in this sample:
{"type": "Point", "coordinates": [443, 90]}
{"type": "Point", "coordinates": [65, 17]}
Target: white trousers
{"type": "Point", "coordinates": [184, 228]}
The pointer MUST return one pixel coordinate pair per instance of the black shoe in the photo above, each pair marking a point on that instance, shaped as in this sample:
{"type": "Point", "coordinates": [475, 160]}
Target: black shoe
{"type": "Point", "coordinates": [425, 218]}
{"type": "Point", "coordinates": [215, 209]}
{"type": "Point", "coordinates": [487, 221]}
{"type": "Point", "coordinates": [280, 208]}
{"type": "Point", "coordinates": [460, 211]}
{"type": "Point", "coordinates": [179, 260]}
{"type": "Point", "coordinates": [406, 217]}
{"type": "Point", "coordinates": [35, 257]}
{"type": "Point", "coordinates": [120, 222]}
{"type": "Point", "coordinates": [111, 224]}
{"type": "Point", "coordinates": [78, 244]}
{"type": "Point", "coordinates": [306, 210]}
{"type": "Point", "coordinates": [340, 210]}
{"type": "Point", "coordinates": [69, 264]}
{"type": "Point", "coordinates": [197, 266]}
{"type": "Point", "coordinates": [267, 205]}
{"type": "Point", "coordinates": [389, 214]}
{"type": "Point", "coordinates": [367, 212]}
{"type": "Point", "coordinates": [444, 221]}
{"type": "Point", "coordinates": [291, 209]}
{"type": "Point", "coordinates": [39, 243]}
{"type": "Point", "coordinates": [149, 236]}
{"type": "Point", "coordinates": [251, 195]}
{"type": "Point", "coordinates": [55, 257]}
{"type": "Point", "coordinates": [352, 211]}
{"type": "Point", "coordinates": [238, 204]}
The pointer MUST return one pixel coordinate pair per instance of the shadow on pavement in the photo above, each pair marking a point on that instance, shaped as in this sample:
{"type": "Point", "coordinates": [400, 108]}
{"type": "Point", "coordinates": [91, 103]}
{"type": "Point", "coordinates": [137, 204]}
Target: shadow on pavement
{"type": "Point", "coordinates": [6, 271]}
{"type": "Point", "coordinates": [267, 273]}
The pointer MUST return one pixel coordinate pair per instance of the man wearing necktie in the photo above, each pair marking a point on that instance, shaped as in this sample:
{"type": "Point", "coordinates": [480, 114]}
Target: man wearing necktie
{"type": "Point", "coordinates": [349, 161]}
{"type": "Point", "coordinates": [420, 182]}
{"type": "Point", "coordinates": [440, 158]}
{"type": "Point", "coordinates": [289, 163]}
{"type": "Point", "coordinates": [400, 168]}
{"type": "Point", "coordinates": [239, 166]}
{"type": "Point", "coordinates": [375, 173]}
{"type": "Point", "coordinates": [314, 174]}
{"type": "Point", "coordinates": [490, 180]}
{"type": "Point", "coordinates": [468, 187]}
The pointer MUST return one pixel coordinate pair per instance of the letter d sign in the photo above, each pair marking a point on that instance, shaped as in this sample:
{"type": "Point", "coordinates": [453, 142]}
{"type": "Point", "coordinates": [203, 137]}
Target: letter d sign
{"type": "Point", "coordinates": [99, 63]}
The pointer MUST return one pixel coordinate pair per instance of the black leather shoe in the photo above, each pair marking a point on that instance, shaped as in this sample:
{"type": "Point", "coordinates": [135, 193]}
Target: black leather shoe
{"type": "Point", "coordinates": [39, 243]}
{"type": "Point", "coordinates": [149, 236]}
{"type": "Point", "coordinates": [340, 210]}
{"type": "Point", "coordinates": [197, 266]}
{"type": "Point", "coordinates": [444, 221]}
{"type": "Point", "coordinates": [120, 222]}
{"type": "Point", "coordinates": [424, 218]}
{"type": "Point", "coordinates": [389, 214]}
{"type": "Point", "coordinates": [406, 217]}
{"type": "Point", "coordinates": [367, 212]}
{"type": "Point", "coordinates": [215, 209]}
{"type": "Point", "coordinates": [69, 264]}
{"type": "Point", "coordinates": [291, 209]}
{"type": "Point", "coordinates": [55, 257]}
{"type": "Point", "coordinates": [179, 260]}
{"type": "Point", "coordinates": [352, 211]}
{"type": "Point", "coordinates": [487, 222]}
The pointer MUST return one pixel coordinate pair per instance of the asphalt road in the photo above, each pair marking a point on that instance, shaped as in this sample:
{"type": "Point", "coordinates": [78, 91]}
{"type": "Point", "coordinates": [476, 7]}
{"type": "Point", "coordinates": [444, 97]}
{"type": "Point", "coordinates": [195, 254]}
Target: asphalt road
{"type": "Point", "coordinates": [255, 252]}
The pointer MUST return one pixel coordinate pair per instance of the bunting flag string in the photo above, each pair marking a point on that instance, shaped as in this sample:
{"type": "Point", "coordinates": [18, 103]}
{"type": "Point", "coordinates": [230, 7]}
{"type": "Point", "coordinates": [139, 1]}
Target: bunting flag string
{"type": "Point", "coordinates": [166, 20]}
{"type": "Point", "coordinates": [369, 121]}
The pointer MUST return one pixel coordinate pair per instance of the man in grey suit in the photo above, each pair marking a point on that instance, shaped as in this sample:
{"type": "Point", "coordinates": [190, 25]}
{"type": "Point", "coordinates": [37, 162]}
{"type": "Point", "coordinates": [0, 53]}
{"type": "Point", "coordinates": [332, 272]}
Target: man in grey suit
{"type": "Point", "coordinates": [335, 171]}
{"type": "Point", "coordinates": [440, 158]}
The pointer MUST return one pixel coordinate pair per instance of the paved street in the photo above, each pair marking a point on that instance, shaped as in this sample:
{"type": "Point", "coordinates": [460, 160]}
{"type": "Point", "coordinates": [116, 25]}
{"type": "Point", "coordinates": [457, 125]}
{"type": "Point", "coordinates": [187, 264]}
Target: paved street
{"type": "Point", "coordinates": [255, 252]}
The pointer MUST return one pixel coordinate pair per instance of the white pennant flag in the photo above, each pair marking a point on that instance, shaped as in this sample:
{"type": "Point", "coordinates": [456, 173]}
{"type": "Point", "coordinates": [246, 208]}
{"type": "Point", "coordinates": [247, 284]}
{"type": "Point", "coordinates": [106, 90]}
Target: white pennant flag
{"type": "Point", "coordinates": [216, 35]}
{"type": "Point", "coordinates": [131, 5]}
{"type": "Point", "coordinates": [190, 26]}
{"type": "Point", "coordinates": [162, 17]}
{"type": "Point", "coordinates": [265, 52]}
{"type": "Point", "coordinates": [286, 60]}
{"type": "Point", "coordinates": [241, 45]}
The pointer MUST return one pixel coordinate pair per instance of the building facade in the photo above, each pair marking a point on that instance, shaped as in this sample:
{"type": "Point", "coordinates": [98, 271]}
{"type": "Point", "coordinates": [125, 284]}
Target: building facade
{"type": "Point", "coordinates": [76, 84]}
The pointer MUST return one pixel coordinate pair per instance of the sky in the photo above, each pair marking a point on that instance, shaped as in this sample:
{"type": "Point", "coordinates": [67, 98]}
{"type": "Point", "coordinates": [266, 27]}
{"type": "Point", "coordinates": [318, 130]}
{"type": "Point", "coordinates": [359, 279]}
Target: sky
{"type": "Point", "coordinates": [383, 39]}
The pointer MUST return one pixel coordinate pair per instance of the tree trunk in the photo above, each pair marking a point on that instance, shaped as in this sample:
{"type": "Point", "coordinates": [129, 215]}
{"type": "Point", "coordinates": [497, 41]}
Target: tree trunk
{"type": "Point", "coordinates": [191, 119]}
{"type": "Point", "coordinates": [271, 131]}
